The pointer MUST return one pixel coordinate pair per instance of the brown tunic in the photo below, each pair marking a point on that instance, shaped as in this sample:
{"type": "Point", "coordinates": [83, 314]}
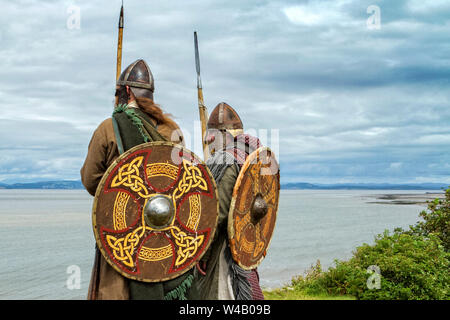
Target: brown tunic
{"type": "Point", "coordinates": [106, 283]}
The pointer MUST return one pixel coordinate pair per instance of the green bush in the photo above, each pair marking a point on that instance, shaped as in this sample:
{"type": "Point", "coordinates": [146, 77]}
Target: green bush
{"type": "Point", "coordinates": [413, 264]}
{"type": "Point", "coordinates": [411, 267]}
{"type": "Point", "coordinates": [435, 221]}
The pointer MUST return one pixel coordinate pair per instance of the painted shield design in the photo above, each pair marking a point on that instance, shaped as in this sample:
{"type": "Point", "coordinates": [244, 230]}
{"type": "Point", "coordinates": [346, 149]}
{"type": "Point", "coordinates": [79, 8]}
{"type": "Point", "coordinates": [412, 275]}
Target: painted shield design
{"type": "Point", "coordinates": [155, 212]}
{"type": "Point", "coordinates": [253, 209]}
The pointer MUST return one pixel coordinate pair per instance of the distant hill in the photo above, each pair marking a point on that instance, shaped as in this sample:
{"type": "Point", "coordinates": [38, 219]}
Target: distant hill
{"type": "Point", "coordinates": [65, 184]}
{"type": "Point", "coordinates": [70, 184]}
{"type": "Point", "coordinates": [365, 186]}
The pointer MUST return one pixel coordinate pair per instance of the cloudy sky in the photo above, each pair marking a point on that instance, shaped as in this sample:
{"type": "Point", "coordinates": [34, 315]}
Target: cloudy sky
{"type": "Point", "coordinates": [347, 99]}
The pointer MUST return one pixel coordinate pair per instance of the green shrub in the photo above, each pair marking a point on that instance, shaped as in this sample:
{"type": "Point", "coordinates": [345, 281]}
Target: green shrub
{"type": "Point", "coordinates": [413, 264]}
{"type": "Point", "coordinates": [411, 267]}
{"type": "Point", "coordinates": [435, 221]}
{"type": "Point", "coordinates": [309, 283]}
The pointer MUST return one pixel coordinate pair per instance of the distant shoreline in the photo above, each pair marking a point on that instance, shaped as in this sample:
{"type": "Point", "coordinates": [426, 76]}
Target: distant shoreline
{"type": "Point", "coordinates": [77, 185]}
{"type": "Point", "coordinates": [52, 185]}
{"type": "Point", "coordinates": [366, 186]}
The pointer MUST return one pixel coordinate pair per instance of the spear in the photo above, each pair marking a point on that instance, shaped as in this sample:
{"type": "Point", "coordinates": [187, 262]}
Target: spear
{"type": "Point", "coordinates": [201, 106]}
{"type": "Point", "coordinates": [118, 71]}
{"type": "Point", "coordinates": [119, 45]}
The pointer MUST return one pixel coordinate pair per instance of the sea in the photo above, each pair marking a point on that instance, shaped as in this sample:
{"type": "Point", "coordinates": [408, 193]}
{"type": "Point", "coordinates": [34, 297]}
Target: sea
{"type": "Point", "coordinates": [47, 243]}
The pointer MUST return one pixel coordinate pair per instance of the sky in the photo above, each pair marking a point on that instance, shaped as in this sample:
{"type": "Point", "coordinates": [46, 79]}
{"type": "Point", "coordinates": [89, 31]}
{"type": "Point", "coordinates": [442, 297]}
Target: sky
{"type": "Point", "coordinates": [342, 90]}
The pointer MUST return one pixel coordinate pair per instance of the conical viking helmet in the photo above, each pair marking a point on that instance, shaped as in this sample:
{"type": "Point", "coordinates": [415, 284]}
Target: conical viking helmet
{"type": "Point", "coordinates": [139, 78]}
{"type": "Point", "coordinates": [224, 117]}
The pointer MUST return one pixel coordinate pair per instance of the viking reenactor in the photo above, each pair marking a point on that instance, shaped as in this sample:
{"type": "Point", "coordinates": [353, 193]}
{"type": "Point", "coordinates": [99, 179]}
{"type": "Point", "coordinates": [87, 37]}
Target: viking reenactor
{"type": "Point", "coordinates": [247, 209]}
{"type": "Point", "coordinates": [120, 266]}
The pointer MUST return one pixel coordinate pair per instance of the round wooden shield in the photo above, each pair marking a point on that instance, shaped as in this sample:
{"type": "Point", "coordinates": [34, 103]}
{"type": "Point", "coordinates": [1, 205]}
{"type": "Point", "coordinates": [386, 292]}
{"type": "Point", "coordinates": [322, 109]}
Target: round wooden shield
{"type": "Point", "coordinates": [253, 208]}
{"type": "Point", "coordinates": [155, 212]}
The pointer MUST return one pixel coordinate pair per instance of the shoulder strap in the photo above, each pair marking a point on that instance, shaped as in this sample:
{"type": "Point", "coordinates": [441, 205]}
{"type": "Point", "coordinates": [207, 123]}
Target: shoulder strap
{"type": "Point", "coordinates": [117, 134]}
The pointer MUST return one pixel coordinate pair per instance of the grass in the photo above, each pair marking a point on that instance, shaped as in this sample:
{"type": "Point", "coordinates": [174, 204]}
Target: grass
{"type": "Point", "coordinates": [300, 288]}
{"type": "Point", "coordinates": [290, 293]}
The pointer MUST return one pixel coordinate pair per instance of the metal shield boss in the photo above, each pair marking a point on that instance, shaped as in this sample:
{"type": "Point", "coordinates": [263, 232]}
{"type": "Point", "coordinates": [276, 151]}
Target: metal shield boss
{"type": "Point", "coordinates": [155, 212]}
{"type": "Point", "coordinates": [253, 209]}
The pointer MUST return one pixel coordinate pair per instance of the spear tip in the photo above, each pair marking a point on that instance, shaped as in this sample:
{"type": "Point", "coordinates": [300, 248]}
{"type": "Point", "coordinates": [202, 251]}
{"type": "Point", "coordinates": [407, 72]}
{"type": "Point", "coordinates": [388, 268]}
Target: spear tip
{"type": "Point", "coordinates": [121, 17]}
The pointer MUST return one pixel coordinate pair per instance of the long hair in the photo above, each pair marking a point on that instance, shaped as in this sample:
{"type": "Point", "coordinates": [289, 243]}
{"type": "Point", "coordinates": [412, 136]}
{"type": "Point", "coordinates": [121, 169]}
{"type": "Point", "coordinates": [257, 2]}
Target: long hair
{"type": "Point", "coordinates": [155, 111]}
{"type": "Point", "coordinates": [149, 107]}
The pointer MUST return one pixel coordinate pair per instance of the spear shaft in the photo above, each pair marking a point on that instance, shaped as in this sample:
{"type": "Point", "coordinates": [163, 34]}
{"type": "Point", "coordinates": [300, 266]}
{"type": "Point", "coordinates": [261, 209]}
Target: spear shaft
{"type": "Point", "coordinates": [201, 106]}
{"type": "Point", "coordinates": [119, 45]}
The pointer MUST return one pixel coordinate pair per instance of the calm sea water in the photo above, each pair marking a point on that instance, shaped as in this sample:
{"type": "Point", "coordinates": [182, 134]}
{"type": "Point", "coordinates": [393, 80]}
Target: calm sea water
{"type": "Point", "coordinates": [44, 232]}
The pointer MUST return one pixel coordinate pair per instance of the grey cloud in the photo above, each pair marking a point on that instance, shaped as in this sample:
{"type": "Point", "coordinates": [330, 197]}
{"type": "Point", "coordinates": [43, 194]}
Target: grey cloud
{"type": "Point", "coordinates": [349, 102]}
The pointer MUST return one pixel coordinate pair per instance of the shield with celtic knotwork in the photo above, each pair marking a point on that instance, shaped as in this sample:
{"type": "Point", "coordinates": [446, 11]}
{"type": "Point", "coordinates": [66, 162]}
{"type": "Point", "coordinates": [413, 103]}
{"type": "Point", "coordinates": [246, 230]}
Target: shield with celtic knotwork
{"type": "Point", "coordinates": [155, 212]}
{"type": "Point", "coordinates": [253, 208]}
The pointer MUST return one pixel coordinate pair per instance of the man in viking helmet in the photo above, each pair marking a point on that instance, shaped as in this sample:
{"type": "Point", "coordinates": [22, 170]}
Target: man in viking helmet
{"type": "Point", "coordinates": [136, 120]}
{"type": "Point", "coordinates": [223, 279]}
